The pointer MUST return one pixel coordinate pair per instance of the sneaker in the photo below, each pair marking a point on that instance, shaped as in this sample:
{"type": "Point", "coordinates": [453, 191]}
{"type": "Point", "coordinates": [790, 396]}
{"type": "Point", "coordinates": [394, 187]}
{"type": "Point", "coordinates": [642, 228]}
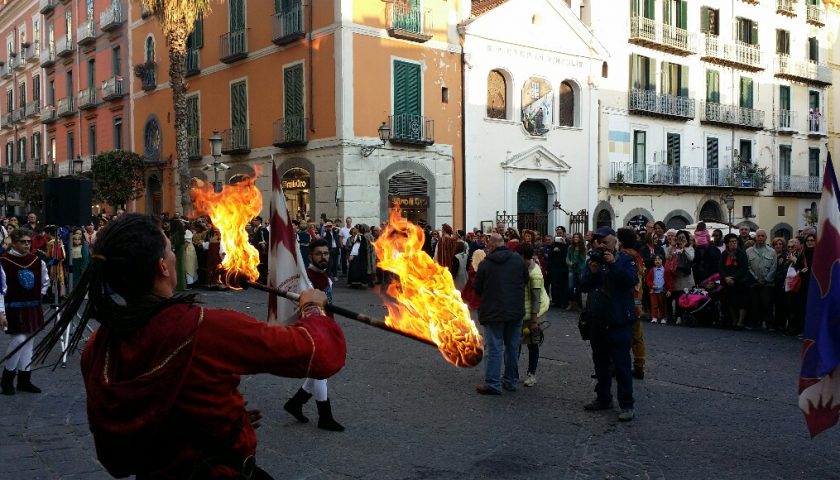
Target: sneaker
{"type": "Point", "coordinates": [679, 321]}
{"type": "Point", "coordinates": [626, 415]}
{"type": "Point", "coordinates": [654, 320]}
{"type": "Point", "coordinates": [597, 405]}
{"type": "Point", "coordinates": [530, 380]}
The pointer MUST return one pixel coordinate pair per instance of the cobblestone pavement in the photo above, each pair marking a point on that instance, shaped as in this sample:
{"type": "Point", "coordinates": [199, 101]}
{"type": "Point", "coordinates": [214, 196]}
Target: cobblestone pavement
{"type": "Point", "coordinates": [714, 404]}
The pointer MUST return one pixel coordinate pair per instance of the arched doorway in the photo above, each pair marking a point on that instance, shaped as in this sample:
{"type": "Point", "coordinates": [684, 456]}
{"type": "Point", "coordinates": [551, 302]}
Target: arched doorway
{"type": "Point", "coordinates": [154, 196]}
{"type": "Point", "coordinates": [711, 212]}
{"type": "Point", "coordinates": [532, 206]}
{"type": "Point", "coordinates": [638, 222]}
{"type": "Point", "coordinates": [411, 191]}
{"type": "Point", "coordinates": [604, 219]}
{"type": "Point", "coordinates": [295, 184]}
{"type": "Point", "coordinates": [677, 222]}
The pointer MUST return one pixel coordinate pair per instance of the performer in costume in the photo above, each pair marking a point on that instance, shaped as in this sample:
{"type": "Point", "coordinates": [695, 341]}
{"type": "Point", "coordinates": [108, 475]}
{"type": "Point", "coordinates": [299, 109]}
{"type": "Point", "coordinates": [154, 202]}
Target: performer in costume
{"type": "Point", "coordinates": [24, 280]}
{"type": "Point", "coordinates": [174, 410]}
{"type": "Point", "coordinates": [319, 261]}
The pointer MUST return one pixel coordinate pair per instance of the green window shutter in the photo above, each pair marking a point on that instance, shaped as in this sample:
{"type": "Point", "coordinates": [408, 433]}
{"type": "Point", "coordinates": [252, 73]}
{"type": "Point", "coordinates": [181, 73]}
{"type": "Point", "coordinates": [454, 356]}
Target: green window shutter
{"type": "Point", "coordinates": [666, 12]}
{"type": "Point", "coordinates": [683, 11]}
{"type": "Point", "coordinates": [784, 97]}
{"type": "Point", "coordinates": [704, 20]}
{"type": "Point", "coordinates": [238, 105]}
{"type": "Point", "coordinates": [277, 6]}
{"type": "Point", "coordinates": [198, 33]}
{"type": "Point", "coordinates": [649, 9]}
{"type": "Point", "coordinates": [192, 115]}
{"type": "Point", "coordinates": [407, 88]}
{"type": "Point", "coordinates": [237, 15]}
{"type": "Point", "coordinates": [813, 49]}
{"type": "Point", "coordinates": [713, 86]}
{"type": "Point", "coordinates": [684, 80]}
{"type": "Point", "coordinates": [635, 68]}
{"type": "Point", "coordinates": [665, 72]}
{"type": "Point", "coordinates": [754, 33]}
{"type": "Point", "coordinates": [293, 105]}
{"type": "Point", "coordinates": [746, 92]}
{"type": "Point", "coordinates": [651, 74]}
{"type": "Point", "coordinates": [634, 8]}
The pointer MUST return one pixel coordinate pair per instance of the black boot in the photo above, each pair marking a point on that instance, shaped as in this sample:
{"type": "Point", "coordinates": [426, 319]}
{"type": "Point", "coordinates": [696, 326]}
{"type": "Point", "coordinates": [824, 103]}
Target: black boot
{"type": "Point", "coordinates": [295, 405]}
{"type": "Point", "coordinates": [24, 383]}
{"type": "Point", "coordinates": [8, 382]}
{"type": "Point", "coordinates": [325, 418]}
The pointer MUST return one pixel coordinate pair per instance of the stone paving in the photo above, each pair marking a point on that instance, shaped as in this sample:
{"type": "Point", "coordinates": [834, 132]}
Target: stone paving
{"type": "Point", "coordinates": [715, 404]}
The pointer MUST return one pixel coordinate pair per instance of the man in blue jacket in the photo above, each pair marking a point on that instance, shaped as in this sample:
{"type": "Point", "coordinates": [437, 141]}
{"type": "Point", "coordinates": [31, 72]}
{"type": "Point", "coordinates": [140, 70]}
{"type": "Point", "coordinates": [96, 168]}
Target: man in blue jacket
{"type": "Point", "coordinates": [609, 279]}
{"type": "Point", "coordinates": [500, 281]}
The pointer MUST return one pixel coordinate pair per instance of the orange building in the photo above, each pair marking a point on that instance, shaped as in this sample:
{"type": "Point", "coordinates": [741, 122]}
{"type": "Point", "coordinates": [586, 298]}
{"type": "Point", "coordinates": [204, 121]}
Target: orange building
{"type": "Point", "coordinates": [309, 87]}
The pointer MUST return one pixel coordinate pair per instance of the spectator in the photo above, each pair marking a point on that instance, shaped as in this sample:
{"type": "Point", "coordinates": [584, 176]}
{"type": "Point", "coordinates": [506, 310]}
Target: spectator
{"type": "Point", "coordinates": [683, 277]}
{"type": "Point", "coordinates": [576, 262]}
{"type": "Point", "coordinates": [734, 274]}
{"type": "Point", "coordinates": [536, 306]}
{"type": "Point", "coordinates": [762, 266]}
{"type": "Point", "coordinates": [627, 241]}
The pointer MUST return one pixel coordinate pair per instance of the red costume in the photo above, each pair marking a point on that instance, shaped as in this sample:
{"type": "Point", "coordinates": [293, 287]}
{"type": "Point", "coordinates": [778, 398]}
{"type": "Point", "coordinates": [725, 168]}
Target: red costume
{"type": "Point", "coordinates": [23, 294]}
{"type": "Point", "coordinates": [165, 397]}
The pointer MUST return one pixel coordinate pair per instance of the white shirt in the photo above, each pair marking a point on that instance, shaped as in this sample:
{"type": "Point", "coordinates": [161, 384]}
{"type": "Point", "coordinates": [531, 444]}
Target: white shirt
{"type": "Point", "coordinates": [344, 233]}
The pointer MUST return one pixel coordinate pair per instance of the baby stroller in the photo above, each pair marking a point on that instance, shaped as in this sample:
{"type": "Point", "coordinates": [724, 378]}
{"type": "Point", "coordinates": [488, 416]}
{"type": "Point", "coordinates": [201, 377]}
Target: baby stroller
{"type": "Point", "coordinates": [701, 303]}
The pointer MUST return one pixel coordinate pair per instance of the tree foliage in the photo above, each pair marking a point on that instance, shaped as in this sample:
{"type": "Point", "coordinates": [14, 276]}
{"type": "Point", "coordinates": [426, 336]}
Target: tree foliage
{"type": "Point", "coordinates": [30, 188]}
{"type": "Point", "coordinates": [118, 176]}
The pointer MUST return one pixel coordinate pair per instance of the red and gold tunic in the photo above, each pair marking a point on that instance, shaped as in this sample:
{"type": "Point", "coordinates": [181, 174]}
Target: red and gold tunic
{"type": "Point", "coordinates": [23, 292]}
{"type": "Point", "coordinates": [160, 398]}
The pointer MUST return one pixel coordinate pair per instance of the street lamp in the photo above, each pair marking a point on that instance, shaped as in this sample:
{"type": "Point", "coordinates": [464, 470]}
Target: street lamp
{"type": "Point", "coordinates": [216, 151]}
{"type": "Point", "coordinates": [384, 135]}
{"type": "Point", "coordinates": [729, 200]}
{"type": "Point", "coordinates": [78, 166]}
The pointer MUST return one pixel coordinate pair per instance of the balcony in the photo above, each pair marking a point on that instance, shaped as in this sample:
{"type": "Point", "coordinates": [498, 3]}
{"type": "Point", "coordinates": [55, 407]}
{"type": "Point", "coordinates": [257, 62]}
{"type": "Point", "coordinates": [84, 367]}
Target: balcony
{"type": "Point", "coordinates": [786, 121]}
{"type": "Point", "coordinates": [193, 147]}
{"type": "Point", "coordinates": [33, 108]}
{"type": "Point", "coordinates": [6, 121]}
{"type": "Point", "coordinates": [48, 57]}
{"type": "Point", "coordinates": [32, 52]}
{"type": "Point", "coordinates": [290, 132]}
{"type": "Point", "coordinates": [786, 8]}
{"type": "Point", "coordinates": [408, 22]}
{"type": "Point", "coordinates": [805, 71]}
{"type": "Point", "coordinates": [113, 88]}
{"type": "Point", "coordinates": [233, 46]}
{"type": "Point", "coordinates": [47, 6]}
{"type": "Point", "coordinates": [411, 129]}
{"type": "Point", "coordinates": [797, 184]}
{"type": "Point", "coordinates": [111, 18]}
{"type": "Point", "coordinates": [87, 99]}
{"type": "Point", "coordinates": [5, 70]}
{"type": "Point", "coordinates": [659, 175]}
{"type": "Point", "coordinates": [736, 54]}
{"type": "Point", "coordinates": [17, 62]}
{"type": "Point", "coordinates": [18, 114]}
{"type": "Point", "coordinates": [287, 26]}
{"type": "Point", "coordinates": [64, 47]}
{"type": "Point", "coordinates": [66, 107]}
{"type": "Point", "coordinates": [86, 33]}
{"type": "Point", "coordinates": [657, 35]}
{"type": "Point", "coordinates": [817, 127]}
{"type": "Point", "coordinates": [731, 116]}
{"type": "Point", "coordinates": [648, 102]}
{"type": "Point", "coordinates": [815, 15]}
{"type": "Point", "coordinates": [147, 73]}
{"type": "Point", "coordinates": [236, 141]}
{"type": "Point", "coordinates": [192, 66]}
{"type": "Point", "coordinates": [48, 114]}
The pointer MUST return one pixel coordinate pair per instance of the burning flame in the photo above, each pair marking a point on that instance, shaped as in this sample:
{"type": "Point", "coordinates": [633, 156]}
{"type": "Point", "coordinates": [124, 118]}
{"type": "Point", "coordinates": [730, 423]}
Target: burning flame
{"type": "Point", "coordinates": [230, 211]}
{"type": "Point", "coordinates": [427, 302]}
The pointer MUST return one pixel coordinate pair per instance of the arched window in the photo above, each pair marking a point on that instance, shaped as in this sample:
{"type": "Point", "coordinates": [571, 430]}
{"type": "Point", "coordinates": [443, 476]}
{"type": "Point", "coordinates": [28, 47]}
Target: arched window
{"type": "Point", "coordinates": [496, 95]}
{"type": "Point", "coordinates": [537, 106]}
{"type": "Point", "coordinates": [150, 49]}
{"type": "Point", "coordinates": [566, 110]}
{"type": "Point", "coordinates": [151, 141]}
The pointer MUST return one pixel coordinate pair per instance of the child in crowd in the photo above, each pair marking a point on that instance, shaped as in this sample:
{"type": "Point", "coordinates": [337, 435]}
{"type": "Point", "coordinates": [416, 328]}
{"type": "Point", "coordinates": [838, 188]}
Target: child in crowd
{"type": "Point", "coordinates": [702, 239]}
{"type": "Point", "coordinates": [659, 286]}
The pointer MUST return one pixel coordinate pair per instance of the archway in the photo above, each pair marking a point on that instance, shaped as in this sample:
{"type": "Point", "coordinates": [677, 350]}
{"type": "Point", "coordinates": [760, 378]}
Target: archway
{"type": "Point", "coordinates": [532, 206]}
{"type": "Point", "coordinates": [783, 230]}
{"type": "Point", "coordinates": [711, 212]}
{"type": "Point", "coordinates": [604, 219]}
{"type": "Point", "coordinates": [154, 196]}
{"type": "Point", "coordinates": [295, 184]}
{"type": "Point", "coordinates": [638, 217]}
{"type": "Point", "coordinates": [678, 219]}
{"type": "Point", "coordinates": [411, 191]}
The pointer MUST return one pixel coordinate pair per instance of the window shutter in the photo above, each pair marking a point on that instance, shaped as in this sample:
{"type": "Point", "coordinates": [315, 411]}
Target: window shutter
{"type": "Point", "coordinates": [684, 80]}
{"type": "Point", "coordinates": [239, 105]}
{"type": "Point", "coordinates": [650, 81]}
{"type": "Point", "coordinates": [784, 97]}
{"type": "Point", "coordinates": [192, 115]}
{"type": "Point", "coordinates": [198, 33]}
{"type": "Point", "coordinates": [754, 33]}
{"type": "Point", "coordinates": [293, 92]}
{"type": "Point", "coordinates": [634, 8]}
{"type": "Point", "coordinates": [635, 67]}
{"type": "Point", "coordinates": [746, 92]}
{"type": "Point", "coordinates": [237, 15]}
{"type": "Point", "coordinates": [813, 49]}
{"type": "Point", "coordinates": [666, 12]}
{"type": "Point", "coordinates": [407, 88]}
{"type": "Point", "coordinates": [683, 14]}
{"type": "Point", "coordinates": [704, 20]}
{"type": "Point", "coordinates": [711, 152]}
{"type": "Point", "coordinates": [649, 9]}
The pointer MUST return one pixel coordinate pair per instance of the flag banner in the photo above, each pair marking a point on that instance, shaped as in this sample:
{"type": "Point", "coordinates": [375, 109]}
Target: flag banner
{"type": "Point", "coordinates": [819, 381]}
{"type": "Point", "coordinates": [285, 263]}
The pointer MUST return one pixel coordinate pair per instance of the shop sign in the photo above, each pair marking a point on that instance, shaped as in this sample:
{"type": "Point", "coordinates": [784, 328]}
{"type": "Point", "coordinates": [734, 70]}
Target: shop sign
{"type": "Point", "coordinates": [295, 183]}
{"type": "Point", "coordinates": [409, 201]}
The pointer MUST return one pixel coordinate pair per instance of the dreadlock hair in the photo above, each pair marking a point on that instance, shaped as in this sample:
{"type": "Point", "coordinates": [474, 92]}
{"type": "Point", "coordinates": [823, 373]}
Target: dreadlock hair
{"type": "Point", "coordinates": [118, 283]}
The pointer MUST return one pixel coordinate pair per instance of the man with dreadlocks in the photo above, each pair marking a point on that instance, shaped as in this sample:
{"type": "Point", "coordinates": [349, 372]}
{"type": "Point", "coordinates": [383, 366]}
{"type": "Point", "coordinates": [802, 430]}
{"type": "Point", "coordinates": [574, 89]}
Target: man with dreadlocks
{"type": "Point", "coordinates": [162, 373]}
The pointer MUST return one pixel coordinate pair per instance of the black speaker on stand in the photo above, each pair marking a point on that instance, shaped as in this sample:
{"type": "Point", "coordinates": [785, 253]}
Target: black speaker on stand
{"type": "Point", "coordinates": [67, 201]}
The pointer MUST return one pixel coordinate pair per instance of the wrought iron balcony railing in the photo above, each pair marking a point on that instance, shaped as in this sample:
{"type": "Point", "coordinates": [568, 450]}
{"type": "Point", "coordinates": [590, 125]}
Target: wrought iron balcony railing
{"type": "Point", "coordinates": [233, 46]}
{"type": "Point", "coordinates": [86, 33]}
{"type": "Point", "coordinates": [5, 71]}
{"type": "Point", "coordinates": [817, 126]}
{"type": "Point", "coordinates": [32, 52]}
{"type": "Point", "coordinates": [732, 115]}
{"type": "Point", "coordinates": [287, 25]}
{"type": "Point", "coordinates": [786, 121]}
{"type": "Point", "coordinates": [797, 184]}
{"type": "Point", "coordinates": [412, 129]}
{"type": "Point", "coordinates": [629, 173]}
{"type": "Point", "coordinates": [33, 108]}
{"type": "Point", "coordinates": [290, 132]}
{"type": "Point", "coordinates": [48, 114]}
{"type": "Point", "coordinates": [786, 7]}
{"type": "Point", "coordinates": [805, 71]}
{"type": "Point", "coordinates": [113, 88]}
{"type": "Point", "coordinates": [661, 36]}
{"type": "Point", "coordinates": [111, 18]}
{"type": "Point", "coordinates": [815, 15]}
{"type": "Point", "coordinates": [408, 22]}
{"type": "Point", "coordinates": [734, 54]}
{"type": "Point", "coordinates": [88, 98]}
{"type": "Point", "coordinates": [47, 6]}
{"type": "Point", "coordinates": [65, 107]}
{"type": "Point", "coordinates": [236, 140]}
{"type": "Point", "coordinates": [48, 56]}
{"type": "Point", "coordinates": [648, 102]}
{"type": "Point", "coordinates": [64, 46]}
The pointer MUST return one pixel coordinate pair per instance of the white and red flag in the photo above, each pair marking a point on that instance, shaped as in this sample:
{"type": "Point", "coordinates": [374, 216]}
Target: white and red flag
{"type": "Point", "coordinates": [285, 263]}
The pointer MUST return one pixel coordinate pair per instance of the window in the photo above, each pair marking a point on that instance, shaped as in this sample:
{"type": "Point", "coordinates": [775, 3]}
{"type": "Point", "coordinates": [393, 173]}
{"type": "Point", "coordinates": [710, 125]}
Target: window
{"type": "Point", "coordinates": [746, 211]}
{"type": "Point", "coordinates": [605, 70]}
{"type": "Point", "coordinates": [239, 105]}
{"type": "Point", "coordinates": [10, 153]}
{"type": "Point", "coordinates": [36, 32]}
{"type": "Point", "coordinates": [537, 106]}
{"type": "Point", "coordinates": [496, 95]}
{"type": "Point", "coordinates": [444, 95]}
{"type": "Point", "coordinates": [784, 97]}
{"type": "Point", "coordinates": [91, 73]}
{"type": "Point", "coordinates": [68, 24]}
{"type": "Point", "coordinates": [673, 153]}
{"type": "Point", "coordinates": [711, 152]}
{"type": "Point", "coordinates": [71, 145]}
{"type": "Point", "coordinates": [293, 92]}
{"type": "Point", "coordinates": [118, 133]}
{"type": "Point", "coordinates": [196, 38]}
{"type": "Point", "coordinates": [643, 8]}
{"type": "Point", "coordinates": [712, 86]}
{"type": "Point", "coordinates": [193, 127]}
{"type": "Point", "coordinates": [36, 88]}
{"type": "Point", "coordinates": [745, 150]}
{"type": "Point", "coordinates": [68, 82]}
{"type": "Point", "coordinates": [21, 94]}
{"type": "Point", "coordinates": [52, 151]}
{"type": "Point", "coordinates": [21, 154]}
{"type": "Point", "coordinates": [151, 140]}
{"type": "Point", "coordinates": [92, 139]}
{"type": "Point", "coordinates": [116, 61]}
{"type": "Point", "coordinates": [89, 10]}
{"type": "Point", "coordinates": [236, 15]}
{"type": "Point", "coordinates": [784, 162]}
{"type": "Point", "coordinates": [566, 107]}
{"type": "Point", "coordinates": [746, 97]}
{"type": "Point", "coordinates": [36, 149]}
{"type": "Point", "coordinates": [813, 162]}
{"type": "Point", "coordinates": [782, 42]}
{"type": "Point", "coordinates": [780, 210]}
{"type": "Point", "coordinates": [747, 31]}
{"type": "Point", "coordinates": [408, 106]}
{"type": "Point", "coordinates": [674, 79]}
{"type": "Point", "coordinates": [149, 50]}
{"type": "Point", "coordinates": [639, 146]}
{"type": "Point", "coordinates": [10, 100]}
{"type": "Point", "coordinates": [642, 73]}
{"type": "Point", "coordinates": [675, 13]}
{"type": "Point", "coordinates": [813, 49]}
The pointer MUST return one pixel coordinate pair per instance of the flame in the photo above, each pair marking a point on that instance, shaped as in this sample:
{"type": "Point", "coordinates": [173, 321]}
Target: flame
{"type": "Point", "coordinates": [230, 211]}
{"type": "Point", "coordinates": [427, 302]}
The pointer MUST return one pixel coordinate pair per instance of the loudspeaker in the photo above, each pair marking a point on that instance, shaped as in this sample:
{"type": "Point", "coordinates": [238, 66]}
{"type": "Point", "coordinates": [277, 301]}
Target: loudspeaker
{"type": "Point", "coordinates": [67, 201]}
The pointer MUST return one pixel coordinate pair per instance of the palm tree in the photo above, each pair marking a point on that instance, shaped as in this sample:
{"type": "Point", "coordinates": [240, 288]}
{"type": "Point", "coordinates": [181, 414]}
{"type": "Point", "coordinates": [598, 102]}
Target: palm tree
{"type": "Point", "coordinates": [177, 19]}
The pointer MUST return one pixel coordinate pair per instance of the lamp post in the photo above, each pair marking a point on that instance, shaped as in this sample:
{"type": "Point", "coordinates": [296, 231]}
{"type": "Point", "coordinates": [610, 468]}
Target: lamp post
{"type": "Point", "coordinates": [384, 135]}
{"type": "Point", "coordinates": [216, 151]}
{"type": "Point", "coordinates": [78, 166]}
{"type": "Point", "coordinates": [729, 200]}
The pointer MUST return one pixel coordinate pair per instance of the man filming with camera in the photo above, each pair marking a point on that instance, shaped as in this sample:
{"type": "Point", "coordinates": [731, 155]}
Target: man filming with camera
{"type": "Point", "coordinates": [609, 279]}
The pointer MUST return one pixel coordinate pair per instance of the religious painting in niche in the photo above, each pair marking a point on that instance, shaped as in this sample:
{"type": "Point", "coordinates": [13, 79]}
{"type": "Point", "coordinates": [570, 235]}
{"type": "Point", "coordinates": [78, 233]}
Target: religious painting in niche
{"type": "Point", "coordinates": [151, 141]}
{"type": "Point", "coordinates": [566, 109]}
{"type": "Point", "coordinates": [496, 95]}
{"type": "Point", "coordinates": [537, 106]}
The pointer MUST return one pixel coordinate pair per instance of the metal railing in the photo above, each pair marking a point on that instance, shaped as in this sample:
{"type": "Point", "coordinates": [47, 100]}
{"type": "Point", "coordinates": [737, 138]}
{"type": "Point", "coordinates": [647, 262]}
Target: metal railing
{"type": "Point", "coordinates": [33, 108]}
{"type": "Point", "coordinates": [736, 52]}
{"type": "Point", "coordinates": [233, 45]}
{"type": "Point", "coordinates": [815, 15]}
{"type": "Point", "coordinates": [648, 101]}
{"type": "Point", "coordinates": [48, 56]}
{"type": "Point", "coordinates": [65, 107]}
{"type": "Point", "coordinates": [786, 7]}
{"type": "Point", "coordinates": [804, 70]}
{"type": "Point", "coordinates": [290, 131]}
{"type": "Point", "coordinates": [32, 52]}
{"type": "Point", "coordinates": [5, 71]}
{"type": "Point", "coordinates": [732, 115]}
{"type": "Point", "coordinates": [410, 128]}
{"type": "Point", "coordinates": [47, 6]}
{"type": "Point", "coordinates": [797, 183]}
{"type": "Point", "coordinates": [192, 65]}
{"type": "Point", "coordinates": [86, 33]}
{"type": "Point", "coordinates": [6, 120]}
{"type": "Point", "coordinates": [287, 26]}
{"type": "Point", "coordinates": [663, 174]}
{"type": "Point", "coordinates": [816, 125]}
{"type": "Point", "coordinates": [650, 31]}
{"type": "Point", "coordinates": [409, 19]}
{"type": "Point", "coordinates": [48, 114]}
{"type": "Point", "coordinates": [236, 140]}
{"type": "Point", "coordinates": [786, 120]}
{"type": "Point", "coordinates": [113, 88]}
{"type": "Point", "coordinates": [64, 46]}
{"type": "Point", "coordinates": [111, 17]}
{"type": "Point", "coordinates": [87, 98]}
{"type": "Point", "coordinates": [17, 62]}
{"type": "Point", "coordinates": [147, 73]}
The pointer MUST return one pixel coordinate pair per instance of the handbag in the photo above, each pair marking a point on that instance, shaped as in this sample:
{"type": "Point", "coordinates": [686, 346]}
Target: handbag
{"type": "Point", "coordinates": [793, 281]}
{"type": "Point", "coordinates": [683, 263]}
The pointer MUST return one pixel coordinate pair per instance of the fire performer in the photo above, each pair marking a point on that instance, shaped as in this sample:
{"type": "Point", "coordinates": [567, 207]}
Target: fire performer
{"type": "Point", "coordinates": [319, 260]}
{"type": "Point", "coordinates": [162, 373]}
